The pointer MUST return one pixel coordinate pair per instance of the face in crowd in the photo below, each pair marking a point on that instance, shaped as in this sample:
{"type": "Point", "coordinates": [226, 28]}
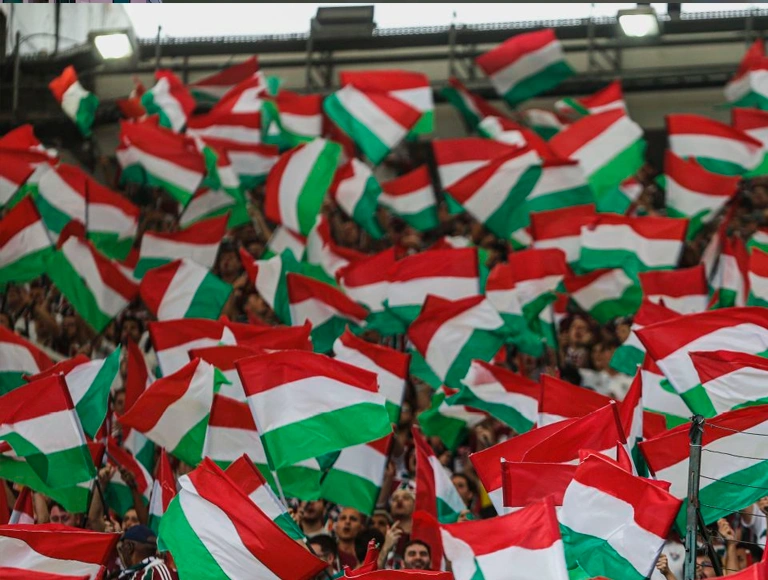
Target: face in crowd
{"type": "Point", "coordinates": [416, 557]}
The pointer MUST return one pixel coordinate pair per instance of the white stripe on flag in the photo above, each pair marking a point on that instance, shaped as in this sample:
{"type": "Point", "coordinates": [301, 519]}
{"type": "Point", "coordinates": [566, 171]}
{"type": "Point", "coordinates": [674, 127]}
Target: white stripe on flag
{"type": "Point", "coordinates": [527, 66]}
{"type": "Point", "coordinates": [599, 151]}
{"type": "Point", "coordinates": [367, 113]}
{"type": "Point", "coordinates": [715, 148]}
{"type": "Point", "coordinates": [414, 291]}
{"type": "Point", "coordinates": [651, 252]}
{"type": "Point", "coordinates": [181, 291]}
{"type": "Point", "coordinates": [82, 261]}
{"type": "Point", "coordinates": [412, 203]}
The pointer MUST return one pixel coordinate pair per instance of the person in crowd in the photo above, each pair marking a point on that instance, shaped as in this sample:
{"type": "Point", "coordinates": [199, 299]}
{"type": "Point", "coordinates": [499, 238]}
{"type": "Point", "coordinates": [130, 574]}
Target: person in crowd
{"type": "Point", "coordinates": [417, 556]}
{"type": "Point", "coordinates": [138, 553]}
{"type": "Point", "coordinates": [312, 518]}
{"type": "Point", "coordinates": [60, 515]}
{"type": "Point", "coordinates": [348, 525]}
{"type": "Point", "coordinates": [325, 548]}
{"type": "Point", "coordinates": [380, 521]}
{"type": "Point", "coordinates": [466, 487]}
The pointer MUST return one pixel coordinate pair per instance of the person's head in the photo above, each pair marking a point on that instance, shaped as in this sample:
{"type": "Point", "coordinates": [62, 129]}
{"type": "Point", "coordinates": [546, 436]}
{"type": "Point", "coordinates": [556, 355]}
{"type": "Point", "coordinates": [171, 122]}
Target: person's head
{"type": "Point", "coordinates": [465, 486]}
{"type": "Point", "coordinates": [60, 515]}
{"type": "Point", "coordinates": [623, 328]}
{"type": "Point", "coordinates": [137, 543]}
{"type": "Point", "coordinates": [69, 327]}
{"type": "Point", "coordinates": [15, 296]}
{"type": "Point", "coordinates": [571, 374]}
{"type": "Point", "coordinates": [130, 519]}
{"type": "Point", "coordinates": [5, 321]}
{"type": "Point", "coordinates": [417, 556]}
{"type": "Point", "coordinates": [228, 262]}
{"type": "Point", "coordinates": [118, 402]}
{"type": "Point", "coordinates": [131, 328]}
{"type": "Point", "coordinates": [380, 520]}
{"type": "Point", "coordinates": [362, 540]}
{"type": "Point", "coordinates": [325, 548]}
{"type": "Point", "coordinates": [704, 567]}
{"type": "Point", "coordinates": [313, 510]}
{"type": "Point", "coordinates": [348, 524]}
{"type": "Point", "coordinates": [402, 503]}
{"type": "Point", "coordinates": [579, 332]}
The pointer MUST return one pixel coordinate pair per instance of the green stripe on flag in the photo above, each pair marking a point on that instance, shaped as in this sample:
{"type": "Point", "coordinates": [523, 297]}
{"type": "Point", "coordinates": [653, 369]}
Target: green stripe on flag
{"type": "Point", "coordinates": [86, 113]}
{"type": "Point", "coordinates": [74, 498]}
{"type": "Point", "coordinates": [11, 380]}
{"type": "Point", "coordinates": [350, 490]}
{"type": "Point", "coordinates": [92, 407]}
{"type": "Point", "coordinates": [481, 345]}
{"type": "Point", "coordinates": [504, 413]}
{"type": "Point", "coordinates": [506, 219]}
{"type": "Point", "coordinates": [373, 148]}
{"type": "Point", "coordinates": [53, 218]}
{"type": "Point", "coordinates": [111, 244]}
{"type": "Point", "coordinates": [144, 265]}
{"type": "Point", "coordinates": [25, 269]}
{"type": "Point", "coordinates": [545, 79]}
{"type": "Point", "coordinates": [626, 164]}
{"type": "Point", "coordinates": [626, 359]}
{"type": "Point", "coordinates": [209, 299]}
{"type": "Point", "coordinates": [596, 556]}
{"type": "Point", "coordinates": [190, 447]}
{"type": "Point", "coordinates": [59, 469]}
{"type": "Point", "coordinates": [721, 166]}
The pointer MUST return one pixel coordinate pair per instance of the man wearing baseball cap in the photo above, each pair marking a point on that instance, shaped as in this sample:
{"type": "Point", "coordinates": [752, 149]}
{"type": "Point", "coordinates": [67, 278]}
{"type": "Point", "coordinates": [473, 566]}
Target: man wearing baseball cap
{"type": "Point", "coordinates": [138, 549]}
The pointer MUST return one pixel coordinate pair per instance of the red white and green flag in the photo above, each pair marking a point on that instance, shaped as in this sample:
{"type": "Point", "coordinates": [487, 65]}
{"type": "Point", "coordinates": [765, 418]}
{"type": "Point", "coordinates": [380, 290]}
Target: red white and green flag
{"type": "Point", "coordinates": [412, 198]}
{"type": "Point", "coordinates": [356, 192]}
{"type": "Point", "coordinates": [606, 99]}
{"type": "Point", "coordinates": [94, 285]}
{"type": "Point", "coordinates": [79, 104]}
{"type": "Point", "coordinates": [237, 117]}
{"type": "Point", "coordinates": [620, 199]}
{"type": "Point", "coordinates": [389, 365]}
{"type": "Point", "coordinates": [609, 147]}
{"type": "Point", "coordinates": [452, 274]}
{"type": "Point", "coordinates": [636, 244]}
{"type": "Point", "coordinates": [561, 229]}
{"type": "Point", "coordinates": [326, 308]}
{"type": "Point", "coordinates": [472, 107]}
{"type": "Point", "coordinates": [749, 86]}
{"type": "Point", "coordinates": [507, 131]}
{"type": "Point", "coordinates": [23, 509]}
{"type": "Point", "coordinates": [39, 422]}
{"type": "Point", "coordinates": [528, 539]}
{"type": "Point", "coordinates": [25, 247]}
{"type": "Point", "coordinates": [293, 393]}
{"type": "Point", "coordinates": [213, 530]}
{"type": "Point", "coordinates": [54, 552]}
{"type": "Point", "coordinates": [693, 192]}
{"type": "Point", "coordinates": [212, 88]}
{"type": "Point", "coordinates": [732, 380]}
{"type": "Point", "coordinates": [457, 158]}
{"type": "Point", "coordinates": [232, 431]}
{"type": "Point", "coordinates": [536, 273]}
{"type": "Point", "coordinates": [163, 491]}
{"type": "Point", "coordinates": [284, 239]}
{"type": "Point", "coordinates": [614, 523]}
{"type": "Point", "coordinates": [297, 183]}
{"type": "Point", "coordinates": [526, 65]}
{"type": "Point", "coordinates": [19, 357]}
{"type": "Point", "coordinates": [367, 280]}
{"type": "Point", "coordinates": [731, 460]}
{"type": "Point", "coordinates": [716, 146]}
{"type": "Point", "coordinates": [211, 203]}
{"type": "Point", "coordinates": [669, 344]}
{"type": "Point", "coordinates": [183, 289]}
{"type": "Point", "coordinates": [14, 172]}
{"type": "Point", "coordinates": [758, 278]}
{"type": "Point", "coordinates": [173, 411]}
{"type": "Point", "coordinates": [545, 123]}
{"type": "Point", "coordinates": [250, 162]}
{"type": "Point", "coordinates": [199, 243]}
{"type": "Point", "coordinates": [631, 353]}
{"type": "Point", "coordinates": [170, 100]}
{"type": "Point", "coordinates": [684, 290]}
{"type": "Point", "coordinates": [660, 397]}
{"type": "Point", "coordinates": [377, 122]}
{"type": "Point", "coordinates": [324, 256]}
{"type": "Point", "coordinates": [451, 423]}
{"type": "Point", "coordinates": [605, 294]}
{"type": "Point", "coordinates": [559, 400]}
{"type": "Point", "coordinates": [526, 483]}
{"type": "Point", "coordinates": [269, 279]}
{"type": "Point", "coordinates": [755, 124]}
{"type": "Point", "coordinates": [507, 396]}
{"type": "Point", "coordinates": [731, 277]}
{"type": "Point", "coordinates": [356, 477]}
{"type": "Point", "coordinates": [118, 494]}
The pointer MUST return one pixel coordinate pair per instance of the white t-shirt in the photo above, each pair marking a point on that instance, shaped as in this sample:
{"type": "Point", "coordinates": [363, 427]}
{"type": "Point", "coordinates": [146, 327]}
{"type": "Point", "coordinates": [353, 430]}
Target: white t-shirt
{"type": "Point", "coordinates": [675, 553]}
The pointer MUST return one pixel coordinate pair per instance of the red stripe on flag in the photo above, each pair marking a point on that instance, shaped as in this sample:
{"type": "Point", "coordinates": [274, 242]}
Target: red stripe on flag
{"type": "Point", "coordinates": [64, 367]}
{"type": "Point", "coordinates": [426, 529]}
{"type": "Point", "coordinates": [513, 49]}
{"type": "Point", "coordinates": [244, 474]}
{"type": "Point", "coordinates": [231, 75]}
{"type": "Point", "coordinates": [698, 125]}
{"type": "Point", "coordinates": [384, 81]}
{"type": "Point", "coordinates": [22, 215]}
{"type": "Point", "coordinates": [525, 483]}
{"type": "Point", "coordinates": [748, 119]}
{"type": "Point", "coordinates": [435, 313]}
{"type": "Point", "coordinates": [575, 136]}
{"type": "Point", "coordinates": [714, 364]}
{"type": "Point", "coordinates": [63, 542]}
{"type": "Point", "coordinates": [537, 263]}
{"type": "Point", "coordinates": [389, 359]}
{"type": "Point", "coordinates": [558, 223]}
{"type": "Point", "coordinates": [449, 151]}
{"type": "Point", "coordinates": [227, 412]}
{"type": "Point", "coordinates": [412, 181]}
{"type": "Point", "coordinates": [35, 400]}
{"type": "Point", "coordinates": [558, 397]}
{"type": "Point", "coordinates": [61, 83]}
{"type": "Point", "coordinates": [676, 283]}
{"type": "Point", "coordinates": [223, 357]}
{"type": "Point", "coordinates": [301, 288]}
{"type": "Point", "coordinates": [156, 283]}
{"type": "Point", "coordinates": [367, 270]}
{"type": "Point", "coordinates": [690, 175]}
{"type": "Point", "coordinates": [449, 263]}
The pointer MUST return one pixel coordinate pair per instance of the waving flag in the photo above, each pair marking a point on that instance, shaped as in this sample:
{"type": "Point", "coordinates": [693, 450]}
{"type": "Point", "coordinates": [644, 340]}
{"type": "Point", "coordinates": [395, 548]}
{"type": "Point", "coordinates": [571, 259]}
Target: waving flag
{"type": "Point", "coordinates": [660, 397]}
{"type": "Point", "coordinates": [297, 183]}
{"type": "Point", "coordinates": [236, 118]}
{"type": "Point", "coordinates": [731, 461]}
{"type": "Point", "coordinates": [163, 491]}
{"type": "Point", "coordinates": [284, 239]}
{"type": "Point", "coordinates": [214, 530]}
{"type": "Point", "coordinates": [731, 277]}
{"type": "Point", "coordinates": [290, 393]}
{"type": "Point", "coordinates": [451, 423]}
{"type": "Point", "coordinates": [232, 430]}
{"type": "Point", "coordinates": [79, 105]}
{"type": "Point", "coordinates": [473, 108]}
{"type": "Point", "coordinates": [527, 540]}
{"type": "Point", "coordinates": [684, 290]}
{"type": "Point", "coordinates": [749, 86]}
{"type": "Point", "coordinates": [457, 158]}
{"type": "Point", "coordinates": [250, 162]}
{"type": "Point", "coordinates": [755, 124]}
{"type": "Point", "coordinates": [717, 147]}
{"type": "Point", "coordinates": [526, 65]}
{"type": "Point", "coordinates": [366, 281]}
{"type": "Point", "coordinates": [604, 506]}
{"type": "Point", "coordinates": [730, 379]}
{"type": "Point", "coordinates": [214, 87]}
{"type": "Point", "coordinates": [118, 494]}
{"type": "Point", "coordinates": [324, 255]}
{"type": "Point", "coordinates": [14, 172]}
{"type": "Point", "coordinates": [269, 279]}
{"type": "Point", "coordinates": [412, 197]}
{"type": "Point", "coordinates": [604, 294]}
{"type": "Point", "coordinates": [170, 100]}
{"type": "Point", "coordinates": [631, 353]}
{"type": "Point", "coordinates": [609, 147]}
{"type": "Point", "coordinates": [24, 244]}
{"type": "Point", "coordinates": [607, 99]}
{"type": "Point", "coordinates": [669, 342]}
{"type": "Point", "coordinates": [545, 123]}
{"type": "Point", "coordinates": [211, 203]}
{"type": "Point", "coordinates": [18, 357]}
{"type": "Point", "coordinates": [356, 191]}
{"type": "Point", "coordinates": [198, 243]}
{"type": "Point", "coordinates": [525, 483]}
{"type": "Point", "coordinates": [560, 400]}
{"type": "Point", "coordinates": [758, 278]}
{"type": "Point", "coordinates": [561, 229]}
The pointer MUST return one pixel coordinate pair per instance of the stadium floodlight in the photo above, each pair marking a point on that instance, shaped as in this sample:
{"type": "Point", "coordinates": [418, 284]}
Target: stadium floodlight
{"type": "Point", "coordinates": [640, 22]}
{"type": "Point", "coordinates": [112, 45]}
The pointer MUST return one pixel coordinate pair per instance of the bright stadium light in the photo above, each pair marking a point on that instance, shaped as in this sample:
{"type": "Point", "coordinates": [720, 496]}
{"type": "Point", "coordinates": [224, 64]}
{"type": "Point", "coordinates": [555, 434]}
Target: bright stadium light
{"type": "Point", "coordinates": [114, 45]}
{"type": "Point", "coordinates": [640, 22]}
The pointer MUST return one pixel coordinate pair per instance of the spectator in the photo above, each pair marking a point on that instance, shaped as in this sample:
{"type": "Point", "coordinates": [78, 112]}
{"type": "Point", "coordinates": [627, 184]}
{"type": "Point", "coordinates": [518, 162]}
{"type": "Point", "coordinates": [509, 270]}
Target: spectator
{"type": "Point", "coordinates": [417, 556]}
{"type": "Point", "coordinates": [347, 527]}
{"type": "Point", "coordinates": [324, 547]}
{"type": "Point", "coordinates": [380, 521]}
{"type": "Point", "coordinates": [466, 487]}
{"type": "Point", "coordinates": [312, 518]}
{"type": "Point", "coordinates": [138, 553]}
{"type": "Point", "coordinates": [60, 515]}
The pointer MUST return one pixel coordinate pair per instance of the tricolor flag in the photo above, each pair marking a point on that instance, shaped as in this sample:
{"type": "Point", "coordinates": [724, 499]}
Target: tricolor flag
{"type": "Point", "coordinates": [559, 400]}
{"type": "Point", "coordinates": [684, 290]}
{"type": "Point", "coordinates": [609, 147]}
{"type": "Point", "coordinates": [755, 124]}
{"type": "Point", "coordinates": [324, 256]}
{"type": "Point", "coordinates": [607, 99]}
{"type": "Point", "coordinates": [237, 118]}
{"type": "Point", "coordinates": [326, 308]}
{"type": "Point", "coordinates": [214, 87]}
{"type": "Point", "coordinates": [213, 530]}
{"type": "Point", "coordinates": [18, 357]}
{"type": "Point", "coordinates": [451, 423]}
{"type": "Point", "coordinates": [163, 491]}
{"type": "Point", "coordinates": [297, 184]}
{"type": "Point", "coordinates": [545, 123]}
{"type": "Point", "coordinates": [211, 203]}
{"type": "Point", "coordinates": [525, 483]}
{"type": "Point", "coordinates": [693, 192]}
{"type": "Point", "coordinates": [749, 86]}
{"type": "Point", "coordinates": [472, 107]}
{"type": "Point", "coordinates": [636, 244]}
{"type": "Point", "coordinates": [494, 193]}
{"type": "Point", "coordinates": [170, 100]}
{"type": "Point", "coordinates": [14, 172]}
{"type": "Point", "coordinates": [25, 247]}
{"type": "Point", "coordinates": [366, 281]}
{"type": "Point", "coordinates": [183, 289]}
{"type": "Point", "coordinates": [118, 494]}
{"type": "Point", "coordinates": [561, 229]}
{"type": "Point", "coordinates": [631, 353]}
{"type": "Point", "coordinates": [457, 158]}
{"type": "Point", "coordinates": [269, 279]}
{"type": "Point", "coordinates": [451, 274]}
{"type": "Point", "coordinates": [526, 541]}
{"type": "Point", "coordinates": [731, 277]}
{"type": "Point", "coordinates": [758, 278]}
{"type": "Point", "coordinates": [537, 272]}
{"type": "Point", "coordinates": [251, 482]}
{"type": "Point", "coordinates": [717, 147]}
{"type": "Point", "coordinates": [291, 393]}
{"type": "Point", "coordinates": [79, 104]}
{"type": "Point", "coordinates": [505, 131]}
{"type": "Point", "coordinates": [526, 65]}
{"type": "Point", "coordinates": [731, 460]}
{"type": "Point", "coordinates": [389, 365]}
{"type": "Point", "coordinates": [250, 162]}
{"type": "Point", "coordinates": [614, 523]}
{"type": "Point", "coordinates": [23, 509]}
{"type": "Point", "coordinates": [231, 429]}
{"type": "Point", "coordinates": [605, 294]}
{"type": "Point", "coordinates": [39, 422]}
{"type": "Point", "coordinates": [509, 397]}
{"type": "Point", "coordinates": [450, 333]}
{"type": "Point", "coordinates": [730, 379]}
{"type": "Point", "coordinates": [356, 192]}
{"type": "Point", "coordinates": [160, 158]}
{"type": "Point", "coordinates": [54, 552]}
{"type": "Point", "coordinates": [356, 477]}
{"type": "Point", "coordinates": [377, 122]}
{"type": "Point", "coordinates": [668, 343]}
{"type": "Point", "coordinates": [199, 243]}
{"type": "Point", "coordinates": [94, 285]}
{"type": "Point", "coordinates": [284, 239]}
{"type": "Point", "coordinates": [291, 119]}
{"type": "Point", "coordinates": [223, 358]}
{"type": "Point", "coordinates": [620, 199]}
{"type": "Point", "coordinates": [660, 397]}
{"type": "Point", "coordinates": [412, 198]}
{"type": "Point", "coordinates": [173, 411]}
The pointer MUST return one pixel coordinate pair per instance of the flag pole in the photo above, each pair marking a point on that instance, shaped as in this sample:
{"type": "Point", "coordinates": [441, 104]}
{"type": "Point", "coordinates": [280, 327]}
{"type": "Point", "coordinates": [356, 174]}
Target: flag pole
{"type": "Point", "coordinates": [279, 487]}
